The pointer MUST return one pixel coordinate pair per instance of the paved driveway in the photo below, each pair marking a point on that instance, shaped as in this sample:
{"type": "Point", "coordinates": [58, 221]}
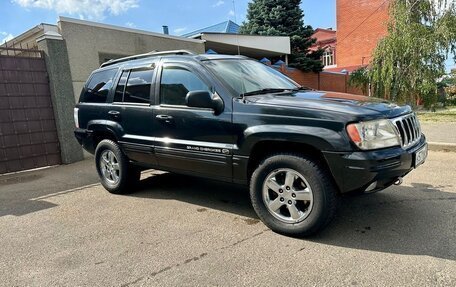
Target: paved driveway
{"type": "Point", "coordinates": [183, 231]}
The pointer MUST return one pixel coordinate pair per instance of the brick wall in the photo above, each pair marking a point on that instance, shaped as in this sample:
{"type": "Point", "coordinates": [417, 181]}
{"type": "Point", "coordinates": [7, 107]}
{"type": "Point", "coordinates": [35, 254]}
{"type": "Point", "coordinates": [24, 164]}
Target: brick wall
{"type": "Point", "coordinates": [360, 25]}
{"type": "Point", "coordinates": [333, 82]}
{"type": "Point", "coordinates": [324, 81]}
{"type": "Point", "coordinates": [310, 80]}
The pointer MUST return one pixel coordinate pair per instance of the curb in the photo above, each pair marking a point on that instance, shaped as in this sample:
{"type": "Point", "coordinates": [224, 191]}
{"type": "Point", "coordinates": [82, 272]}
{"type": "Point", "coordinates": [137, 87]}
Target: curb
{"type": "Point", "coordinates": [439, 146]}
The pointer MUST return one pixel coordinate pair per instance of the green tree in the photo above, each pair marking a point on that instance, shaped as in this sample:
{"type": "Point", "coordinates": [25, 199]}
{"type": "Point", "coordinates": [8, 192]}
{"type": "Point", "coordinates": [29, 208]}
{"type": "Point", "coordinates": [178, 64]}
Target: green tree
{"type": "Point", "coordinates": [284, 18]}
{"type": "Point", "coordinates": [449, 80]}
{"type": "Point", "coordinates": [408, 62]}
{"type": "Point", "coordinates": [360, 79]}
{"type": "Point", "coordinates": [448, 84]}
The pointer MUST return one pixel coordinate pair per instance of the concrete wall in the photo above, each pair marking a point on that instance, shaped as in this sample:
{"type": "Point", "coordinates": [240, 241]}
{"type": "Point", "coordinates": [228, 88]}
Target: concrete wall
{"type": "Point", "coordinates": [88, 42]}
{"type": "Point", "coordinates": [27, 40]}
{"type": "Point", "coordinates": [59, 74]}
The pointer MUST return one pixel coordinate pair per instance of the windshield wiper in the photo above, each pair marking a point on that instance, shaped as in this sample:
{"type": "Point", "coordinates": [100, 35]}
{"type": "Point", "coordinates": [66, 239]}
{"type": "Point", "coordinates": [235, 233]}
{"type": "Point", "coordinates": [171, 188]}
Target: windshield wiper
{"type": "Point", "coordinates": [265, 91]}
{"type": "Point", "coordinates": [302, 88]}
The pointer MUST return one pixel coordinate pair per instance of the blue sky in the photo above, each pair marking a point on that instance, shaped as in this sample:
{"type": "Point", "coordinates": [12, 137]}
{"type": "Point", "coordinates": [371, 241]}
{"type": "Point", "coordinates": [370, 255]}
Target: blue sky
{"type": "Point", "coordinates": [181, 16]}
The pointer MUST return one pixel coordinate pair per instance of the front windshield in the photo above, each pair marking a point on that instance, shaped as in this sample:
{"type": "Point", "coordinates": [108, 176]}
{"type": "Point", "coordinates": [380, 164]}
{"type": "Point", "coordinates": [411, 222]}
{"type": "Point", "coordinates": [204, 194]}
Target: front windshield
{"type": "Point", "coordinates": [247, 76]}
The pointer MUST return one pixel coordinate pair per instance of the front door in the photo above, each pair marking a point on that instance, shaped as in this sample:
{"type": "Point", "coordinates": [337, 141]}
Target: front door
{"type": "Point", "coordinates": [190, 140]}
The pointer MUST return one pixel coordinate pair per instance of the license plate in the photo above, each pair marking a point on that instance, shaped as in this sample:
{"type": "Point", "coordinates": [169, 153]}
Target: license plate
{"type": "Point", "coordinates": [420, 156]}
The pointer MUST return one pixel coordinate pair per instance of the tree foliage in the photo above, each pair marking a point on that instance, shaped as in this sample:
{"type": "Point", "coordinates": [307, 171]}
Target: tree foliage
{"type": "Point", "coordinates": [449, 81]}
{"type": "Point", "coordinates": [360, 79]}
{"type": "Point", "coordinates": [408, 62]}
{"type": "Point", "coordinates": [448, 84]}
{"type": "Point", "coordinates": [284, 18]}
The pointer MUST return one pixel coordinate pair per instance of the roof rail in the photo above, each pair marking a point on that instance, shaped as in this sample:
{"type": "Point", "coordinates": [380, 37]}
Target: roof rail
{"type": "Point", "coordinates": [141, 56]}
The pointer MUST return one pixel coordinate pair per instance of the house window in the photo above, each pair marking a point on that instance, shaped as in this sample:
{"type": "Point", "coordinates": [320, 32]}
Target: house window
{"type": "Point", "coordinates": [328, 58]}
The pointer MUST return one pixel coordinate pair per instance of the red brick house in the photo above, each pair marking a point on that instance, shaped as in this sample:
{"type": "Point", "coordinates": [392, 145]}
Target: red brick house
{"type": "Point", "coordinates": [360, 25]}
{"type": "Point", "coordinates": [326, 40]}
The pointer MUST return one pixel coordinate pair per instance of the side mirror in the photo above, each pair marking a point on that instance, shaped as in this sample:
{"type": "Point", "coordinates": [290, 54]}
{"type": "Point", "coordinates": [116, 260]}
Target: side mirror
{"type": "Point", "coordinates": [204, 99]}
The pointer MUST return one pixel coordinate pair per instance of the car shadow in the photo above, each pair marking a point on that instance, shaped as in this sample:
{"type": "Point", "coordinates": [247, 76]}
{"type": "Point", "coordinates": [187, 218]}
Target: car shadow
{"type": "Point", "coordinates": [417, 220]}
{"type": "Point", "coordinates": [202, 192]}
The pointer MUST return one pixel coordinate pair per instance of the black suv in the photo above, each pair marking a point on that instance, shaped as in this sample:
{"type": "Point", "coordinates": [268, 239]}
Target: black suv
{"type": "Point", "coordinates": [234, 119]}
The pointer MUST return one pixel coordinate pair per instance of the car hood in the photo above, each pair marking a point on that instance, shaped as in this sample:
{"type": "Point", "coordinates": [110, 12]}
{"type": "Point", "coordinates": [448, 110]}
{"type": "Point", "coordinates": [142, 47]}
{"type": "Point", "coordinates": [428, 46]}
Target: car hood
{"type": "Point", "coordinates": [332, 101]}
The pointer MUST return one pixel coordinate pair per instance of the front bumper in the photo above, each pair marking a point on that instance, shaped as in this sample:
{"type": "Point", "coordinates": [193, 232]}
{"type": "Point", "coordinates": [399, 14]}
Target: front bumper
{"type": "Point", "coordinates": [358, 171]}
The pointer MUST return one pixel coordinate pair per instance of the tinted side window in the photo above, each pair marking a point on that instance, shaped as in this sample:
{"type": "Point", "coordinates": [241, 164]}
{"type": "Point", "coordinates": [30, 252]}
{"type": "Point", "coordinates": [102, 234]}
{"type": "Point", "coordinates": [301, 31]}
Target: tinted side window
{"type": "Point", "coordinates": [138, 87]}
{"type": "Point", "coordinates": [176, 83]}
{"type": "Point", "coordinates": [97, 89]}
{"type": "Point", "coordinates": [118, 96]}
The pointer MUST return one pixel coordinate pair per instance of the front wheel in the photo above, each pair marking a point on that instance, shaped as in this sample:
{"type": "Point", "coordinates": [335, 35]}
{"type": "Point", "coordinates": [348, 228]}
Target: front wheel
{"type": "Point", "coordinates": [116, 173]}
{"type": "Point", "coordinates": [293, 195]}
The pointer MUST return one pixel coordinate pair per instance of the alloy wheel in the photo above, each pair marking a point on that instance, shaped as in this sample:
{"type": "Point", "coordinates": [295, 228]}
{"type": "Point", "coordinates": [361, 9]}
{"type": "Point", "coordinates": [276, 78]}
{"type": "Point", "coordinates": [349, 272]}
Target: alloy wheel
{"type": "Point", "coordinates": [287, 195]}
{"type": "Point", "coordinates": [109, 166]}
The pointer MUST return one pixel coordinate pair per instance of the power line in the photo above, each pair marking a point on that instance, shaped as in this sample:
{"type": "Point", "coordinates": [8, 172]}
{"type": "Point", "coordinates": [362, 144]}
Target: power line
{"type": "Point", "coordinates": [364, 21]}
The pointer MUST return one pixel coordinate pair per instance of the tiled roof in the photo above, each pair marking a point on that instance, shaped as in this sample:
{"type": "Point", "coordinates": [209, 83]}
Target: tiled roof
{"type": "Point", "coordinates": [210, 51]}
{"type": "Point", "coordinates": [326, 38]}
{"type": "Point", "coordinates": [323, 35]}
{"type": "Point", "coordinates": [224, 27]}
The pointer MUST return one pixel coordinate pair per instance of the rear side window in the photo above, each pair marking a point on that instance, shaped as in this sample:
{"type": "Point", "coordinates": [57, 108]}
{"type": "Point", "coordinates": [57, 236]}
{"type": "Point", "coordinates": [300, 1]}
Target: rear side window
{"type": "Point", "coordinates": [120, 89]}
{"type": "Point", "coordinates": [97, 89]}
{"type": "Point", "coordinates": [134, 87]}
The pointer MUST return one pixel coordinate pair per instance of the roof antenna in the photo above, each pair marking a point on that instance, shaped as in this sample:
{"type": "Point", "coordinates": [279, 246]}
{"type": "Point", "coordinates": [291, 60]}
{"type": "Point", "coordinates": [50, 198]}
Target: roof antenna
{"type": "Point", "coordinates": [239, 53]}
{"type": "Point", "coordinates": [235, 21]}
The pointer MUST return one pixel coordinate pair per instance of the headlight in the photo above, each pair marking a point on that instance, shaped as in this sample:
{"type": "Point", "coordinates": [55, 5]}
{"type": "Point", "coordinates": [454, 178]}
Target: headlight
{"type": "Point", "coordinates": [374, 134]}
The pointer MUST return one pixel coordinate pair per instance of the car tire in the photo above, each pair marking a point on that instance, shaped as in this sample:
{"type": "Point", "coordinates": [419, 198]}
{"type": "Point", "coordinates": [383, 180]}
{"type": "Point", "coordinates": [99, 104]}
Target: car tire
{"type": "Point", "coordinates": [293, 195]}
{"type": "Point", "coordinates": [116, 173]}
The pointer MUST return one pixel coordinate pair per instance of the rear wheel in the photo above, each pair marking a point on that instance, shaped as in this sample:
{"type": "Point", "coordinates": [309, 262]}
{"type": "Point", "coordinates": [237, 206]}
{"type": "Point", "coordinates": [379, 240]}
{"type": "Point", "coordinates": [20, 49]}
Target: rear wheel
{"type": "Point", "coordinates": [116, 173]}
{"type": "Point", "coordinates": [293, 195]}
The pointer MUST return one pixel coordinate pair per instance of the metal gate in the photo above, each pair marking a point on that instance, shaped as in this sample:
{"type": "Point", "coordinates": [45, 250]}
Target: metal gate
{"type": "Point", "coordinates": [28, 135]}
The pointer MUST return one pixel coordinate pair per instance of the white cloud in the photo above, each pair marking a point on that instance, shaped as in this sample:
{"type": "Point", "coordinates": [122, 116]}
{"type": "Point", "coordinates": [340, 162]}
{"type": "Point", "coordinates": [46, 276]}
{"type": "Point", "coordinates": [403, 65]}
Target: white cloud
{"type": "Point", "coordinates": [5, 37]}
{"type": "Point", "coordinates": [218, 3]}
{"type": "Point", "coordinates": [180, 30]}
{"type": "Point", "coordinates": [231, 13]}
{"type": "Point", "coordinates": [91, 9]}
{"type": "Point", "coordinates": [130, 25]}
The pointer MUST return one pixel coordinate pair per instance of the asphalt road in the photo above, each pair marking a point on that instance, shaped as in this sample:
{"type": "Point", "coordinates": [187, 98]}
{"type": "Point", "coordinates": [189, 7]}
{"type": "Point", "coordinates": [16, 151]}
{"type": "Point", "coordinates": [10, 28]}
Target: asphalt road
{"type": "Point", "coordinates": [183, 231]}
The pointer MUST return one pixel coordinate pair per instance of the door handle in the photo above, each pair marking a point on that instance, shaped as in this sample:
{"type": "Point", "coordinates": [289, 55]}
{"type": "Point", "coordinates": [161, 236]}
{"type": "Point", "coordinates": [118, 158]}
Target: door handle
{"type": "Point", "coordinates": [165, 118]}
{"type": "Point", "coordinates": [114, 114]}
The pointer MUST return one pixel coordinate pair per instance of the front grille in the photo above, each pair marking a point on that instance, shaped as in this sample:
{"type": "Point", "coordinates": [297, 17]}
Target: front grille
{"type": "Point", "coordinates": [409, 129]}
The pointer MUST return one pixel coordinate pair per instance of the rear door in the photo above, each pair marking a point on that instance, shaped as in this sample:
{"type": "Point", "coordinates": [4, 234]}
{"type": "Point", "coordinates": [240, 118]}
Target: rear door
{"type": "Point", "coordinates": [131, 111]}
{"type": "Point", "coordinates": [190, 140]}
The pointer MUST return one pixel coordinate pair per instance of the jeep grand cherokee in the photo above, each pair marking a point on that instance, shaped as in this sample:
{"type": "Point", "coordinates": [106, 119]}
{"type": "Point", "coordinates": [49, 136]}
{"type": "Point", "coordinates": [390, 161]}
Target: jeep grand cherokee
{"type": "Point", "coordinates": [234, 119]}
